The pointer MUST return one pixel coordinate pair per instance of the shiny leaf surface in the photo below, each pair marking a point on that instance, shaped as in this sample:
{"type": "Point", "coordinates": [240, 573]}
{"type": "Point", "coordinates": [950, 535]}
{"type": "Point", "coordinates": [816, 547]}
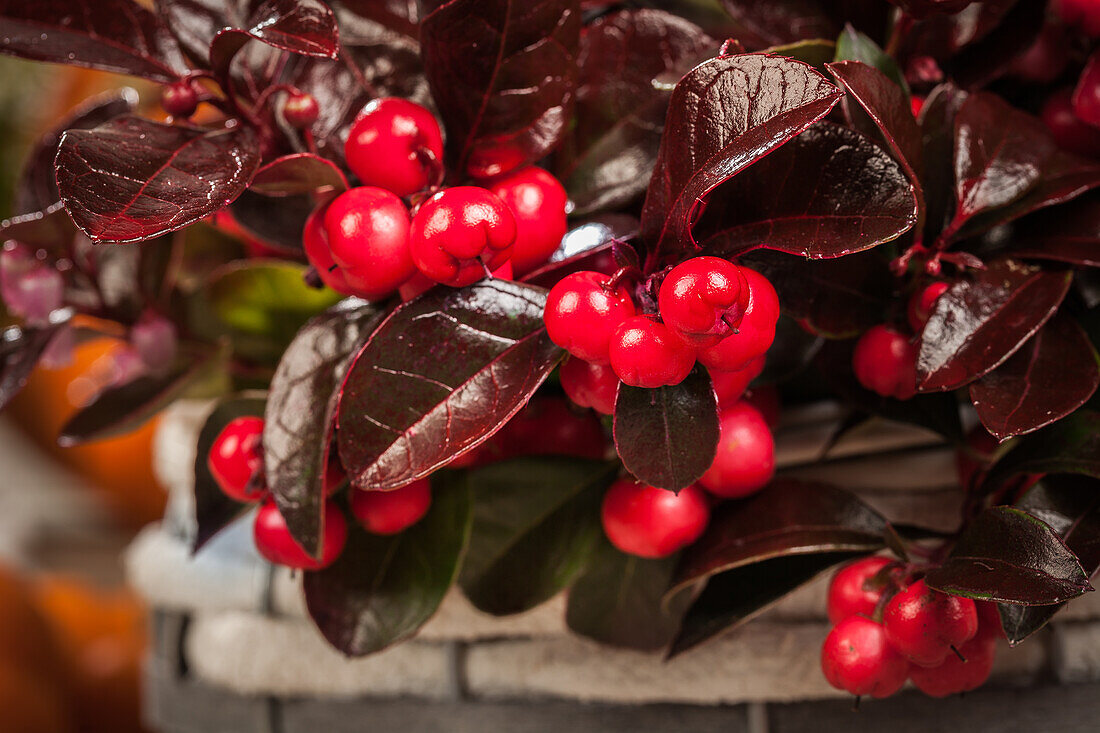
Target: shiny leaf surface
{"type": "Point", "coordinates": [297, 174]}
{"type": "Point", "coordinates": [1071, 445]}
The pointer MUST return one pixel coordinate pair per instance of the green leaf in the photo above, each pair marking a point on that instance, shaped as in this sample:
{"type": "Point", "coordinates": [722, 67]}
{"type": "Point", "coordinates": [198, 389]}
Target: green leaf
{"type": "Point", "coordinates": [816, 52]}
{"type": "Point", "coordinates": [853, 45]}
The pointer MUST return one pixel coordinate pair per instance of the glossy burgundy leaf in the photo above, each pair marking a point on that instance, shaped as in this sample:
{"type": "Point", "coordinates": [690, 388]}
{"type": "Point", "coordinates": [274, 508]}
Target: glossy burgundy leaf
{"type": "Point", "coordinates": [1069, 233]}
{"type": "Point", "coordinates": [383, 589]}
{"type": "Point", "coordinates": [438, 377]}
{"type": "Point", "coordinates": [832, 192]}
{"type": "Point", "coordinates": [298, 174]}
{"type": "Point", "coordinates": [277, 224]}
{"type": "Point", "coordinates": [775, 22]}
{"type": "Point", "coordinates": [995, 33]}
{"type": "Point", "coordinates": [131, 179]}
{"type": "Point", "coordinates": [503, 74]}
{"type": "Point", "coordinates": [113, 35]}
{"type": "Point", "coordinates": [20, 349]}
{"type": "Point", "coordinates": [587, 246]}
{"type": "Point", "coordinates": [195, 22]}
{"type": "Point", "coordinates": [937, 122]}
{"type": "Point", "coordinates": [301, 407]}
{"type": "Point", "coordinates": [214, 511]}
{"type": "Point", "coordinates": [305, 27]}
{"type": "Point", "coordinates": [725, 115]}
{"type": "Point", "coordinates": [610, 153]}
{"type": "Point", "coordinates": [1009, 556]}
{"type": "Point", "coordinates": [401, 16]}
{"type": "Point", "coordinates": [668, 437]}
{"type": "Point", "coordinates": [1071, 445]}
{"type": "Point", "coordinates": [982, 320]}
{"type": "Point", "coordinates": [922, 8]}
{"type": "Point", "coordinates": [1051, 375]}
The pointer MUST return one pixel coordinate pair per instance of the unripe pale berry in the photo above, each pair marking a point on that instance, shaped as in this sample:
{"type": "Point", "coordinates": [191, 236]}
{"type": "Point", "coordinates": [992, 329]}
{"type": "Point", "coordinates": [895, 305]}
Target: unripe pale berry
{"type": "Point", "coordinates": [857, 658]}
{"type": "Point", "coordinates": [236, 458]}
{"type": "Point", "coordinates": [537, 201]}
{"type": "Point", "coordinates": [301, 110]}
{"type": "Point", "coordinates": [650, 522]}
{"type": "Point", "coordinates": [729, 386]}
{"type": "Point", "coordinates": [275, 543]}
{"type": "Point", "coordinates": [703, 299]}
{"type": "Point", "coordinates": [390, 512]}
{"type": "Point", "coordinates": [885, 362]}
{"type": "Point", "coordinates": [850, 592]}
{"type": "Point", "coordinates": [582, 313]}
{"type": "Point", "coordinates": [922, 302]}
{"type": "Point", "coordinates": [368, 235]}
{"type": "Point", "coordinates": [923, 624]}
{"type": "Point", "coordinates": [590, 385]}
{"type": "Point", "coordinates": [393, 144]}
{"type": "Point", "coordinates": [745, 461]}
{"type": "Point", "coordinates": [756, 332]}
{"type": "Point", "coordinates": [459, 233]}
{"type": "Point", "coordinates": [645, 353]}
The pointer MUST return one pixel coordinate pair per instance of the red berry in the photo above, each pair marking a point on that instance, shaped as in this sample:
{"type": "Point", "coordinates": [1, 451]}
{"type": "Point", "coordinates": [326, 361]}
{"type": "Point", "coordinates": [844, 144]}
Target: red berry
{"type": "Point", "coordinates": [923, 624]}
{"type": "Point", "coordinates": [1085, 13]}
{"type": "Point", "coordinates": [236, 458]}
{"type": "Point", "coordinates": [582, 313]}
{"type": "Point", "coordinates": [537, 201]}
{"type": "Point", "coordinates": [179, 99]}
{"type": "Point", "coordinates": [1086, 97]}
{"type": "Point", "coordinates": [495, 159]}
{"type": "Point", "coordinates": [989, 622]}
{"type": "Point", "coordinates": [368, 235]}
{"type": "Point", "coordinates": [703, 299]}
{"type": "Point", "coordinates": [315, 244]}
{"type": "Point", "coordinates": [745, 461]}
{"type": "Point", "coordinates": [547, 426]}
{"type": "Point", "coordinates": [459, 233]}
{"type": "Point", "coordinates": [1046, 59]}
{"type": "Point", "coordinates": [916, 104]}
{"type": "Point", "coordinates": [645, 353]}
{"type": "Point", "coordinates": [857, 658]}
{"type": "Point", "coordinates": [590, 385]}
{"type": "Point", "coordinates": [650, 522]}
{"type": "Point", "coordinates": [395, 144]}
{"type": "Point", "coordinates": [885, 362]}
{"type": "Point", "coordinates": [1066, 128]}
{"type": "Point", "coordinates": [849, 593]}
{"type": "Point", "coordinates": [390, 512]}
{"type": "Point", "coordinates": [756, 331]}
{"type": "Point", "coordinates": [921, 304]}
{"type": "Point", "coordinates": [729, 386]}
{"type": "Point", "coordinates": [275, 544]}
{"type": "Point", "coordinates": [301, 110]}
{"type": "Point", "coordinates": [954, 675]}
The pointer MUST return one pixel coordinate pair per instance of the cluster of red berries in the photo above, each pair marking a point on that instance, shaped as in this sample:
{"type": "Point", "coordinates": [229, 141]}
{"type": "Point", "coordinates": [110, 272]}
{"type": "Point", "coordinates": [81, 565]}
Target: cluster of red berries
{"type": "Point", "coordinates": [368, 242]}
{"type": "Point", "coordinates": [236, 463]}
{"type": "Point", "coordinates": [885, 358]}
{"type": "Point", "coordinates": [943, 643]}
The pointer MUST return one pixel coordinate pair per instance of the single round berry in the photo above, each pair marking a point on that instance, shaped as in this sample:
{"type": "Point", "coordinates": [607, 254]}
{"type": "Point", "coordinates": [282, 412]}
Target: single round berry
{"type": "Point", "coordinates": [650, 522]}
{"type": "Point", "coordinates": [582, 312]}
{"type": "Point", "coordinates": [850, 592]}
{"type": "Point", "coordinates": [390, 512]}
{"type": "Point", "coordinates": [1069, 131]}
{"type": "Point", "coordinates": [495, 158]}
{"type": "Point", "coordinates": [179, 99]}
{"type": "Point", "coordinates": [537, 201]}
{"type": "Point", "coordinates": [1086, 97]}
{"type": "Point", "coordinates": [921, 304]}
{"type": "Point", "coordinates": [857, 658]}
{"type": "Point", "coordinates": [276, 545]}
{"type": "Point", "coordinates": [885, 362]}
{"type": "Point", "coordinates": [1046, 58]}
{"type": "Point", "coordinates": [301, 110]}
{"type": "Point", "coordinates": [745, 461]}
{"type": "Point", "coordinates": [236, 458]}
{"type": "Point", "coordinates": [954, 674]}
{"type": "Point", "coordinates": [315, 245]}
{"type": "Point", "coordinates": [730, 386]}
{"type": "Point", "coordinates": [367, 230]}
{"type": "Point", "coordinates": [590, 385]}
{"type": "Point", "coordinates": [547, 426]}
{"type": "Point", "coordinates": [924, 624]}
{"type": "Point", "coordinates": [703, 299]}
{"type": "Point", "coordinates": [754, 334]}
{"type": "Point", "coordinates": [916, 104]}
{"type": "Point", "coordinates": [395, 144]}
{"type": "Point", "coordinates": [645, 353]}
{"type": "Point", "coordinates": [461, 233]}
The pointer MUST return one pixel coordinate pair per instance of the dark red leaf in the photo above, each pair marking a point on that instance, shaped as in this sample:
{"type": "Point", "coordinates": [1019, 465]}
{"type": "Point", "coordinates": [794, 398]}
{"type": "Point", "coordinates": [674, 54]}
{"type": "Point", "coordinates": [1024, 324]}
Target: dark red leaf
{"type": "Point", "coordinates": [402, 16]}
{"type": "Point", "coordinates": [113, 35]}
{"type": "Point", "coordinates": [297, 174]}
{"type": "Point", "coordinates": [440, 376]}
{"type": "Point", "coordinates": [1071, 445]}
{"type": "Point", "coordinates": [1069, 233]}
{"type": "Point", "coordinates": [725, 115]}
{"type": "Point", "coordinates": [586, 246]}
{"type": "Point", "coordinates": [51, 230]}
{"type": "Point", "coordinates": [301, 409]}
{"type": "Point", "coordinates": [305, 27]}
{"type": "Point", "coordinates": [774, 22]}
{"type": "Point", "coordinates": [1009, 556]}
{"type": "Point", "coordinates": [20, 349]}
{"type": "Point", "coordinates": [195, 22]}
{"type": "Point", "coordinates": [131, 179]}
{"type": "Point", "coordinates": [1052, 375]}
{"type": "Point", "coordinates": [982, 320]}
{"type": "Point", "coordinates": [922, 8]}
{"type": "Point", "coordinates": [937, 122]}
{"type": "Point", "coordinates": [278, 224]}
{"type": "Point", "coordinates": [1013, 26]}
{"type": "Point", "coordinates": [503, 74]}
{"type": "Point", "coordinates": [668, 437]}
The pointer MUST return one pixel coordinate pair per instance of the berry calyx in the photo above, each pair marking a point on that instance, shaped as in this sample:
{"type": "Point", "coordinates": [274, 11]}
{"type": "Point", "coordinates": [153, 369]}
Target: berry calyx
{"type": "Point", "coordinates": [537, 201]}
{"type": "Point", "coordinates": [650, 522]}
{"type": "Point", "coordinates": [921, 304]}
{"type": "Point", "coordinates": [966, 671]}
{"type": "Point", "coordinates": [703, 299]}
{"type": "Point", "coordinates": [236, 459]}
{"type": "Point", "coordinates": [590, 385]}
{"type": "Point", "coordinates": [645, 353]}
{"type": "Point", "coordinates": [582, 312]}
{"type": "Point", "coordinates": [857, 658]}
{"type": "Point", "coordinates": [849, 591]}
{"type": "Point", "coordinates": [730, 386]}
{"type": "Point", "coordinates": [756, 331]}
{"type": "Point", "coordinates": [1069, 131]}
{"type": "Point", "coordinates": [301, 110]}
{"type": "Point", "coordinates": [395, 144]}
{"type": "Point", "coordinates": [460, 234]}
{"type": "Point", "coordinates": [315, 245]}
{"type": "Point", "coordinates": [367, 230]}
{"type": "Point", "coordinates": [924, 624]}
{"type": "Point", "coordinates": [885, 362]}
{"type": "Point", "coordinates": [745, 461]}
{"type": "Point", "coordinates": [390, 512]}
{"type": "Point", "coordinates": [179, 99]}
{"type": "Point", "coordinates": [275, 543]}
